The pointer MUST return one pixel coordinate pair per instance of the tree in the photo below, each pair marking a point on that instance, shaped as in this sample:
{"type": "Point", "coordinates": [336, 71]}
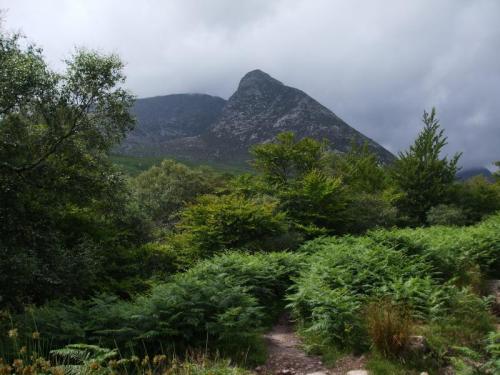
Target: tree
{"type": "Point", "coordinates": [165, 189]}
{"type": "Point", "coordinates": [288, 159]}
{"type": "Point", "coordinates": [61, 197]}
{"type": "Point", "coordinates": [216, 223]}
{"type": "Point", "coordinates": [421, 174]}
{"type": "Point", "coordinates": [315, 203]}
{"type": "Point", "coordinates": [297, 173]}
{"type": "Point", "coordinates": [477, 197]}
{"type": "Point", "coordinates": [496, 174]}
{"type": "Point", "coordinates": [360, 169]}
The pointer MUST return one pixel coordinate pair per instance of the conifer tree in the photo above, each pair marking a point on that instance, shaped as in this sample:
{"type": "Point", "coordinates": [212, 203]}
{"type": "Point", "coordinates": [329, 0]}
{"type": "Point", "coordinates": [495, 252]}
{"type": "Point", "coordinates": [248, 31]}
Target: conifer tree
{"type": "Point", "coordinates": [421, 174]}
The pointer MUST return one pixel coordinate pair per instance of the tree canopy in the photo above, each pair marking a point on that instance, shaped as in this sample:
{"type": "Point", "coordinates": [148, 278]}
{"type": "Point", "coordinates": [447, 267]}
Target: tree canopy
{"type": "Point", "coordinates": [422, 174]}
{"type": "Point", "coordinates": [57, 186]}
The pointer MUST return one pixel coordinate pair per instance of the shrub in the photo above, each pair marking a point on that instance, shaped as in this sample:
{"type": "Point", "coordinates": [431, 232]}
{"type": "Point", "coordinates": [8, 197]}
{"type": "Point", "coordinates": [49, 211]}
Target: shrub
{"type": "Point", "coordinates": [329, 295]}
{"type": "Point", "coordinates": [216, 223]}
{"type": "Point", "coordinates": [222, 304]}
{"type": "Point", "coordinates": [188, 312]}
{"type": "Point", "coordinates": [478, 198]}
{"type": "Point", "coordinates": [422, 296]}
{"type": "Point", "coordinates": [359, 264]}
{"type": "Point", "coordinates": [330, 314]}
{"type": "Point", "coordinates": [452, 252]}
{"type": "Point", "coordinates": [315, 203]}
{"type": "Point", "coordinates": [422, 270]}
{"type": "Point", "coordinates": [389, 326]}
{"type": "Point", "coordinates": [443, 214]}
{"type": "Point", "coordinates": [367, 211]}
{"type": "Point", "coordinates": [493, 350]}
{"type": "Point", "coordinates": [165, 189]}
{"type": "Point", "coordinates": [266, 275]}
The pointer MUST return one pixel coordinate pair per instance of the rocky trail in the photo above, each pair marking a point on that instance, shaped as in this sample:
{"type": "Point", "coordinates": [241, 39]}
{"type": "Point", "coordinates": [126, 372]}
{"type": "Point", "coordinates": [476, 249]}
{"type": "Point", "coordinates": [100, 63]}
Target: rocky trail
{"type": "Point", "coordinates": [286, 356]}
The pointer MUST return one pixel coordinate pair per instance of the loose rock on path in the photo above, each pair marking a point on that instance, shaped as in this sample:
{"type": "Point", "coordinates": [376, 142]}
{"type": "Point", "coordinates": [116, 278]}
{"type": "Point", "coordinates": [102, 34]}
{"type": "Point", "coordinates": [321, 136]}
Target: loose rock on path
{"type": "Point", "coordinates": [286, 356]}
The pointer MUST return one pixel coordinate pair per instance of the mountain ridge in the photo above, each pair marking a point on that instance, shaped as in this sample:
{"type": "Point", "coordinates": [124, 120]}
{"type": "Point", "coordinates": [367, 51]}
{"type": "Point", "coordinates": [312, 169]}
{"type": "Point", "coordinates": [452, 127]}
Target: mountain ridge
{"type": "Point", "coordinates": [258, 110]}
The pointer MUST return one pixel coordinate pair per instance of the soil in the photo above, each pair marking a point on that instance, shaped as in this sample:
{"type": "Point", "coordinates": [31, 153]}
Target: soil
{"type": "Point", "coordinates": [286, 356]}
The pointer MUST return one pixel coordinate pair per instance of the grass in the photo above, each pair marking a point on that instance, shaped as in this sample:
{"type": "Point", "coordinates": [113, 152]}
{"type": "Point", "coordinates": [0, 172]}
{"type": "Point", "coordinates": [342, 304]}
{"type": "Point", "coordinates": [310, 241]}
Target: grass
{"type": "Point", "coordinates": [378, 365]}
{"type": "Point", "coordinates": [76, 361]}
{"type": "Point", "coordinates": [315, 345]}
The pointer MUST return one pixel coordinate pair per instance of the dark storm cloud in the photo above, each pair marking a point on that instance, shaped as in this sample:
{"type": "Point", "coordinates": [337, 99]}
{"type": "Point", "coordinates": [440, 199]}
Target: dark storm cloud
{"type": "Point", "coordinates": [377, 64]}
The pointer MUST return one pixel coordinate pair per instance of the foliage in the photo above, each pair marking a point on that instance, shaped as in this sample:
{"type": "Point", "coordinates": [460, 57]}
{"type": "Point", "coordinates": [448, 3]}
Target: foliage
{"type": "Point", "coordinates": [62, 201]}
{"type": "Point", "coordinates": [443, 214]}
{"type": "Point", "coordinates": [379, 365]}
{"type": "Point", "coordinates": [220, 304]}
{"type": "Point", "coordinates": [315, 203]}
{"type": "Point", "coordinates": [427, 273]}
{"type": "Point", "coordinates": [328, 297]}
{"type": "Point", "coordinates": [165, 189]}
{"type": "Point", "coordinates": [82, 359]}
{"type": "Point", "coordinates": [92, 359]}
{"type": "Point", "coordinates": [452, 252]}
{"type": "Point", "coordinates": [297, 173]}
{"type": "Point", "coordinates": [421, 174]}
{"type": "Point", "coordinates": [215, 223]}
{"type": "Point", "coordinates": [389, 326]}
{"type": "Point", "coordinates": [493, 350]}
{"type": "Point", "coordinates": [478, 198]}
{"type": "Point", "coordinates": [486, 361]}
{"type": "Point", "coordinates": [496, 174]}
{"type": "Point", "coordinates": [366, 211]}
{"type": "Point", "coordinates": [288, 159]}
{"type": "Point", "coordinates": [360, 169]}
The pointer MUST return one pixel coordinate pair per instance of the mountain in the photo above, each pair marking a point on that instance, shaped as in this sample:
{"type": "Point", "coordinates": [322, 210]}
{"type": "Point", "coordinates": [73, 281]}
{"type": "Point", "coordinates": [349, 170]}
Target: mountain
{"type": "Point", "coordinates": [468, 173]}
{"type": "Point", "coordinates": [163, 118]}
{"type": "Point", "coordinates": [261, 108]}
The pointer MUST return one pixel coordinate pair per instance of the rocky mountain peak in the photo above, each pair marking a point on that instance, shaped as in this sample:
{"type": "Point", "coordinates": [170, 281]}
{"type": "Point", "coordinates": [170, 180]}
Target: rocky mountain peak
{"type": "Point", "coordinates": [258, 82]}
{"type": "Point", "coordinates": [223, 131]}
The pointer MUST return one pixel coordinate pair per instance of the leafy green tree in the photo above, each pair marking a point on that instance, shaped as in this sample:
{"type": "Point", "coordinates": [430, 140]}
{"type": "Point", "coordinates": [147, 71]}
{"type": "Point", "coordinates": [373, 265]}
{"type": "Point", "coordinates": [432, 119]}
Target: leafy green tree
{"type": "Point", "coordinates": [297, 173]}
{"type": "Point", "coordinates": [315, 203]}
{"type": "Point", "coordinates": [369, 197]}
{"type": "Point", "coordinates": [421, 174]}
{"type": "Point", "coordinates": [215, 223]}
{"type": "Point", "coordinates": [360, 169]}
{"type": "Point", "coordinates": [477, 197]}
{"type": "Point", "coordinates": [287, 158]}
{"type": "Point", "coordinates": [165, 189]}
{"type": "Point", "coordinates": [61, 197]}
{"type": "Point", "coordinates": [444, 214]}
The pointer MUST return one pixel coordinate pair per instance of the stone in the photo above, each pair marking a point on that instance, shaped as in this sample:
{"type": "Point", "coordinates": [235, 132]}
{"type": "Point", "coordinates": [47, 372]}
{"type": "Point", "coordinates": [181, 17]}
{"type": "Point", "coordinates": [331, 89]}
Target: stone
{"type": "Point", "coordinates": [358, 372]}
{"type": "Point", "coordinates": [417, 344]}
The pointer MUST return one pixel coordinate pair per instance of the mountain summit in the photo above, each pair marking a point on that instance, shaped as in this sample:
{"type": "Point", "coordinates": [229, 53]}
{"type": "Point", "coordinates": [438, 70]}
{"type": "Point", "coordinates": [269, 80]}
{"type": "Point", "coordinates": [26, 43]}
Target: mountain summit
{"type": "Point", "coordinates": [261, 108]}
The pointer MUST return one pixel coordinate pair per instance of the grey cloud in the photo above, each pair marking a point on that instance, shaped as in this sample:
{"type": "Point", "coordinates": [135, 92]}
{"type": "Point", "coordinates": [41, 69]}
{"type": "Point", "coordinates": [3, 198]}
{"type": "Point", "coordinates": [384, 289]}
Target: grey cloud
{"type": "Point", "coordinates": [377, 64]}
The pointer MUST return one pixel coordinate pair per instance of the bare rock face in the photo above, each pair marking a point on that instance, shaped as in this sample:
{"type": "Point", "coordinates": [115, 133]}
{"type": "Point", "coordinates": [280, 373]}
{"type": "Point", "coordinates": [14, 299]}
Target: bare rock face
{"type": "Point", "coordinates": [261, 108]}
{"type": "Point", "coordinates": [162, 119]}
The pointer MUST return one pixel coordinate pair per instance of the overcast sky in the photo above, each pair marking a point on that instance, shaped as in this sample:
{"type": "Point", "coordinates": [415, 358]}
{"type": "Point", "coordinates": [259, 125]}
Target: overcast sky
{"type": "Point", "coordinates": [376, 64]}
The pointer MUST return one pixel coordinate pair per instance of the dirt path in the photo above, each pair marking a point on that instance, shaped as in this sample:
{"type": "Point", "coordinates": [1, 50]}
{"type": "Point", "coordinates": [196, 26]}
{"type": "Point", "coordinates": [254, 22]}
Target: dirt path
{"type": "Point", "coordinates": [286, 357]}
